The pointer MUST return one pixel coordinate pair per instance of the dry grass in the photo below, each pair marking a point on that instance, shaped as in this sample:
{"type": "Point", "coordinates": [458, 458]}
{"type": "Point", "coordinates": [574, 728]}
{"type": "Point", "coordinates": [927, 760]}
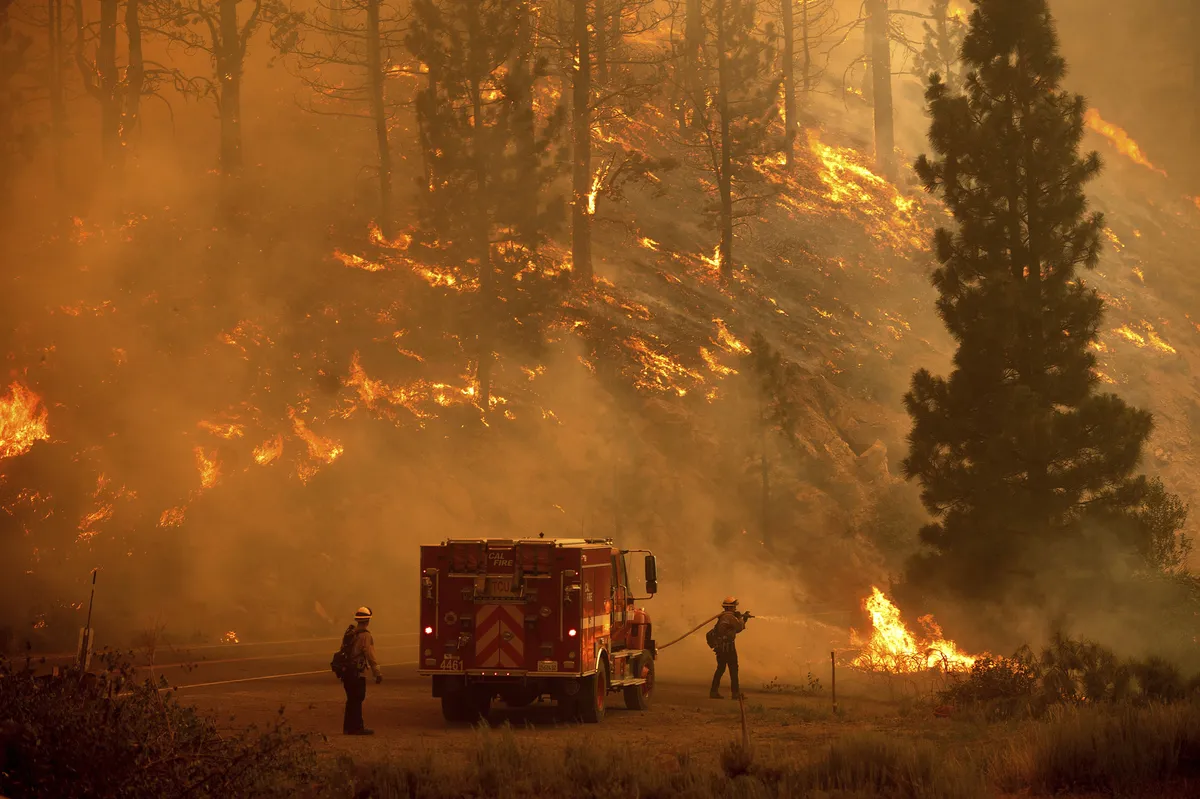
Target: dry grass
{"type": "Point", "coordinates": [1110, 749]}
{"type": "Point", "coordinates": [1116, 749]}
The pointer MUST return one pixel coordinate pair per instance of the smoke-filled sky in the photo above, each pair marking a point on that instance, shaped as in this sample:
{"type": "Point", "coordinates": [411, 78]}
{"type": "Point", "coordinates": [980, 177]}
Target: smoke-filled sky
{"type": "Point", "coordinates": [253, 422]}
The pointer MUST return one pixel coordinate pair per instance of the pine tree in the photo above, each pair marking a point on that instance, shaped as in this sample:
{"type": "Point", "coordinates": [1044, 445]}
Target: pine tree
{"type": "Point", "coordinates": [734, 109]}
{"type": "Point", "coordinates": [1021, 460]}
{"type": "Point", "coordinates": [486, 200]}
{"type": "Point", "coordinates": [943, 40]}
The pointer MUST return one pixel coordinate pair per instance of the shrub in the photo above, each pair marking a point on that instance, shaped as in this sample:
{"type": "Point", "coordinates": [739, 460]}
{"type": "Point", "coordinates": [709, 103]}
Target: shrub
{"type": "Point", "coordinates": [1159, 680]}
{"type": "Point", "coordinates": [109, 735]}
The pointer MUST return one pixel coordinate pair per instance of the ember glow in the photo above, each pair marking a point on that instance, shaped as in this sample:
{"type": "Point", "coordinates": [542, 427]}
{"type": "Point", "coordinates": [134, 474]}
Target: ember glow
{"type": "Point", "coordinates": [892, 648]}
{"type": "Point", "coordinates": [22, 421]}
{"type": "Point", "coordinates": [1124, 143]}
{"type": "Point", "coordinates": [268, 451]}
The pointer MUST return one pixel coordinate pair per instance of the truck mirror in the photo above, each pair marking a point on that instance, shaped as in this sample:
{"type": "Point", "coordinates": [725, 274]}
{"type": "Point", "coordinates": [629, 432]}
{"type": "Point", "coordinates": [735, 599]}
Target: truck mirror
{"type": "Point", "coordinates": [651, 570]}
{"type": "Point", "coordinates": [651, 587]}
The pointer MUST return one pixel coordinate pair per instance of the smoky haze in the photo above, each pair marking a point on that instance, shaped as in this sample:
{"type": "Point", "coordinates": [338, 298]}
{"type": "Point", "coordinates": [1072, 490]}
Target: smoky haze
{"type": "Point", "coordinates": [249, 433]}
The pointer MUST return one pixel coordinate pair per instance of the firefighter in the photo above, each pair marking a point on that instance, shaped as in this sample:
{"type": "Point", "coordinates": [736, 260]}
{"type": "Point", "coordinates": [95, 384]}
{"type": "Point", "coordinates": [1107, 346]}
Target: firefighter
{"type": "Point", "coordinates": [729, 624]}
{"type": "Point", "coordinates": [362, 657]}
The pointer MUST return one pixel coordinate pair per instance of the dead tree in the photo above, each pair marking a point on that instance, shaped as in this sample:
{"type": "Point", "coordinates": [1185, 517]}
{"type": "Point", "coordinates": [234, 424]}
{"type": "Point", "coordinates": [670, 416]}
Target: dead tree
{"type": "Point", "coordinates": [347, 53]}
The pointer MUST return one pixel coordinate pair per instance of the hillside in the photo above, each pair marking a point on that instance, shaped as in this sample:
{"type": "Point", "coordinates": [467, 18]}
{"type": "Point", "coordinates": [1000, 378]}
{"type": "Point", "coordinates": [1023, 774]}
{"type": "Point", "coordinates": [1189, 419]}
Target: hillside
{"type": "Point", "coordinates": [248, 429]}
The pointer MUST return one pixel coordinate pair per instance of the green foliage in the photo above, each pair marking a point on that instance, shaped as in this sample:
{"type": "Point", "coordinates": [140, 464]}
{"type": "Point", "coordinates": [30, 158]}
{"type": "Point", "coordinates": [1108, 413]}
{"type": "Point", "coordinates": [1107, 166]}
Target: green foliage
{"type": "Point", "coordinates": [811, 687]}
{"type": "Point", "coordinates": [1020, 459]}
{"type": "Point", "coordinates": [939, 54]}
{"type": "Point", "coordinates": [1068, 671]}
{"type": "Point", "coordinates": [113, 735]}
{"type": "Point", "coordinates": [485, 198]}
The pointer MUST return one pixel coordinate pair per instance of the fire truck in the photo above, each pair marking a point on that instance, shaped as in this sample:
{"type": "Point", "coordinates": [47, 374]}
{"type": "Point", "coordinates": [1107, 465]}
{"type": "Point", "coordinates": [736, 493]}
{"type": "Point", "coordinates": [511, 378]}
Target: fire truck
{"type": "Point", "coordinates": [528, 619]}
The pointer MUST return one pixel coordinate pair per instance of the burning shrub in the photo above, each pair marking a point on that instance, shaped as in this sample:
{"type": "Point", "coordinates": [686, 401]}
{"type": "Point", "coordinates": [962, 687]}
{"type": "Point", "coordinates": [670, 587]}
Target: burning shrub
{"type": "Point", "coordinates": [112, 735]}
{"type": "Point", "coordinates": [1006, 685]}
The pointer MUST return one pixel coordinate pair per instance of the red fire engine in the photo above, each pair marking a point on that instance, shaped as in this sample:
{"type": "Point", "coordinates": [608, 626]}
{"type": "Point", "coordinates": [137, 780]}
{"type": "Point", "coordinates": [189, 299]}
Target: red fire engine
{"type": "Point", "coordinates": [532, 618]}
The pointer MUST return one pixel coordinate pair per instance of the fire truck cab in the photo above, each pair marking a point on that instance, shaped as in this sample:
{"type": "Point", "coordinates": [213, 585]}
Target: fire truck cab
{"type": "Point", "coordinates": [522, 620]}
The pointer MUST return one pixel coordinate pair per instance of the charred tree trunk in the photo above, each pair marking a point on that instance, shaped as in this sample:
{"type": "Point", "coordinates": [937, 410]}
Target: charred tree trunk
{"type": "Point", "coordinates": [379, 116]}
{"type": "Point", "coordinates": [523, 69]}
{"type": "Point", "coordinates": [229, 75]}
{"type": "Point", "coordinates": [600, 26]}
{"type": "Point", "coordinates": [725, 170]}
{"type": "Point", "coordinates": [483, 227]}
{"type": "Point", "coordinates": [581, 124]}
{"type": "Point", "coordinates": [881, 87]}
{"type": "Point", "coordinates": [693, 42]}
{"type": "Point", "coordinates": [58, 106]}
{"type": "Point", "coordinates": [789, 82]}
{"type": "Point", "coordinates": [106, 77]}
{"type": "Point", "coordinates": [135, 75]}
{"type": "Point", "coordinates": [806, 46]}
{"type": "Point", "coordinates": [614, 36]}
{"type": "Point", "coordinates": [765, 471]}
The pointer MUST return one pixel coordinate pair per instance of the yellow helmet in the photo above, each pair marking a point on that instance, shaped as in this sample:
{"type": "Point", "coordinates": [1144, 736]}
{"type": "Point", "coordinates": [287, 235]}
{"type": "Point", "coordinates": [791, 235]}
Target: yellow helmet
{"type": "Point", "coordinates": [362, 614]}
{"type": "Point", "coordinates": [730, 602]}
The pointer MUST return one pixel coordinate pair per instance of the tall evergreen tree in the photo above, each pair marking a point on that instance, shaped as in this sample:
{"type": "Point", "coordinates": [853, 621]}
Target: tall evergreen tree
{"type": "Point", "coordinates": [944, 34]}
{"type": "Point", "coordinates": [734, 108]}
{"type": "Point", "coordinates": [1021, 460]}
{"type": "Point", "coordinates": [486, 200]}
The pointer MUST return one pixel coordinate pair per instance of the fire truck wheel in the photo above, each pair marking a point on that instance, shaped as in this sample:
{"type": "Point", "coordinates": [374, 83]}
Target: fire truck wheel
{"type": "Point", "coordinates": [593, 695]}
{"type": "Point", "coordinates": [637, 697]}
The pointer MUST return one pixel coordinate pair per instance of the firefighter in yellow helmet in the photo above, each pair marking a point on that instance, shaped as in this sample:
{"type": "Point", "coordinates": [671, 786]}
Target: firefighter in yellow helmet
{"type": "Point", "coordinates": [729, 624]}
{"type": "Point", "coordinates": [354, 680]}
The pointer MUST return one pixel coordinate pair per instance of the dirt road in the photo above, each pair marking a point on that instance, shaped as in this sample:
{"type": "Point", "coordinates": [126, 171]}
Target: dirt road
{"type": "Point", "coordinates": [405, 717]}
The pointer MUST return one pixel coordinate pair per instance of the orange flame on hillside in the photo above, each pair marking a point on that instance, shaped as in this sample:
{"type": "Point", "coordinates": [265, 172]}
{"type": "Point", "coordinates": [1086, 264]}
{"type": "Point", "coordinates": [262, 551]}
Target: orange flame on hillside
{"type": "Point", "coordinates": [1119, 139]}
{"type": "Point", "coordinates": [22, 421]}
{"type": "Point", "coordinates": [210, 470]}
{"type": "Point", "coordinates": [268, 451]}
{"type": "Point", "coordinates": [893, 649]}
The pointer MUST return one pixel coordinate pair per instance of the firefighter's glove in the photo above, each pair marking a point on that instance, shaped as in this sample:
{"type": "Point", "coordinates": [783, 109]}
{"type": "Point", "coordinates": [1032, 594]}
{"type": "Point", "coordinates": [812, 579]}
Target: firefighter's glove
{"type": "Point", "coordinates": [378, 679]}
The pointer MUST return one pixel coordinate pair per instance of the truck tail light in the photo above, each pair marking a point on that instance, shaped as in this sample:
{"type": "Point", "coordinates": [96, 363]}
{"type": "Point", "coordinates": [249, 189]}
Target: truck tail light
{"type": "Point", "coordinates": [571, 632]}
{"type": "Point", "coordinates": [429, 631]}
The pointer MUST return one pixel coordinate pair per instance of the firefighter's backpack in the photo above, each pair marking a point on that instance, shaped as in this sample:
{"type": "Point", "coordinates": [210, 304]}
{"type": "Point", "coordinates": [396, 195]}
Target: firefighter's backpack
{"type": "Point", "coordinates": [712, 637]}
{"type": "Point", "coordinates": [342, 664]}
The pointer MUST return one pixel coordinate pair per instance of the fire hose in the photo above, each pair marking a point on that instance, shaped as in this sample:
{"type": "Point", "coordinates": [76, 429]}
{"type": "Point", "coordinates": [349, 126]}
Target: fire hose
{"type": "Point", "coordinates": [689, 632]}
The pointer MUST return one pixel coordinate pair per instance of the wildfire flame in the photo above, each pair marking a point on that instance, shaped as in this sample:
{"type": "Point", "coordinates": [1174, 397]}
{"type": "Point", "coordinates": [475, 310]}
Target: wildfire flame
{"type": "Point", "coordinates": [22, 421]}
{"type": "Point", "coordinates": [208, 467]}
{"type": "Point", "coordinates": [321, 449]}
{"type": "Point", "coordinates": [1119, 139]}
{"type": "Point", "coordinates": [892, 648]}
{"type": "Point", "coordinates": [230, 637]}
{"type": "Point", "coordinates": [1147, 339]}
{"type": "Point", "coordinates": [172, 517]}
{"type": "Point", "coordinates": [268, 451]}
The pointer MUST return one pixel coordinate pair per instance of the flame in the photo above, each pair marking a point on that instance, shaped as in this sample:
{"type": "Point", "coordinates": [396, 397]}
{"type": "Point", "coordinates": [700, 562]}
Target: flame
{"type": "Point", "coordinates": [268, 451]}
{"type": "Point", "coordinates": [714, 365]}
{"type": "Point", "coordinates": [210, 470]}
{"type": "Point", "coordinates": [357, 262]}
{"type": "Point", "coordinates": [322, 449]}
{"type": "Point", "coordinates": [1150, 339]}
{"type": "Point", "coordinates": [729, 342]}
{"type": "Point", "coordinates": [229, 638]}
{"type": "Point", "coordinates": [894, 649]}
{"type": "Point", "coordinates": [226, 431]}
{"type": "Point", "coordinates": [651, 244]}
{"type": "Point", "coordinates": [1119, 139]}
{"type": "Point", "coordinates": [22, 421]}
{"type": "Point", "coordinates": [661, 372]}
{"type": "Point", "coordinates": [172, 517]}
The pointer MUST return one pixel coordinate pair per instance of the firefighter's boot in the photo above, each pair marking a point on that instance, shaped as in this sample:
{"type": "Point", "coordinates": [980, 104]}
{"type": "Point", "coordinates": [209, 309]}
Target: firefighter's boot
{"type": "Point", "coordinates": [714, 695]}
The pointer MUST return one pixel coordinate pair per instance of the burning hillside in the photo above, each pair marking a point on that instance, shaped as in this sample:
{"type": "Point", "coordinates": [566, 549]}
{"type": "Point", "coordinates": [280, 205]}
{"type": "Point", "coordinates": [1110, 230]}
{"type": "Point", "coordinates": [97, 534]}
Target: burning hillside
{"type": "Point", "coordinates": [306, 390]}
